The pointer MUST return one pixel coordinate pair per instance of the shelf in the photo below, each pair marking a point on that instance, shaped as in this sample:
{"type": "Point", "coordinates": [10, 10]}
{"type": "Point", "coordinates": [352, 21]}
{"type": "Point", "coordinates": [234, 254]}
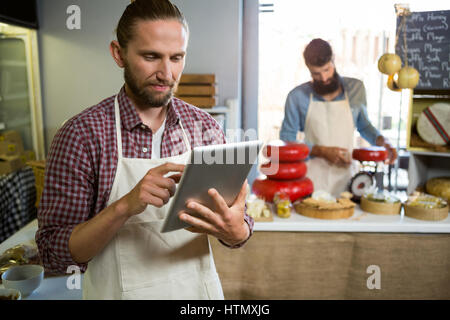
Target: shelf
{"type": "Point", "coordinates": [218, 109]}
{"type": "Point", "coordinates": [15, 96]}
{"type": "Point", "coordinates": [13, 124]}
{"type": "Point", "coordinates": [414, 143]}
{"type": "Point", "coordinates": [429, 153]}
{"type": "Point", "coordinates": [13, 63]}
{"type": "Point", "coordinates": [360, 222]}
{"type": "Point", "coordinates": [426, 165]}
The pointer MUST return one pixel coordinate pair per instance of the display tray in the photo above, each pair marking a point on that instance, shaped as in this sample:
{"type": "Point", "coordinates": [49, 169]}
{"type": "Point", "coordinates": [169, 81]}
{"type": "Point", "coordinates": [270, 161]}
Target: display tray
{"type": "Point", "coordinates": [264, 219]}
{"type": "Point", "coordinates": [426, 214]}
{"type": "Point", "coordinates": [417, 143]}
{"type": "Point", "coordinates": [380, 207]}
{"type": "Point", "coordinates": [329, 214]}
{"type": "Point", "coordinates": [360, 221]}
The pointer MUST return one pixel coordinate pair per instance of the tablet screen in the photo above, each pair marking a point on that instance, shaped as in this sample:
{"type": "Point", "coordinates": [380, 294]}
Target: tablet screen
{"type": "Point", "coordinates": [222, 167]}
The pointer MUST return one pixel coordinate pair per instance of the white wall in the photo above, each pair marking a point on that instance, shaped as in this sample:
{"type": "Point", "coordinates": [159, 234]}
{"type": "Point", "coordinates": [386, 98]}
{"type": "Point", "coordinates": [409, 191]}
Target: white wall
{"type": "Point", "coordinates": [215, 41]}
{"type": "Point", "coordinates": [77, 70]}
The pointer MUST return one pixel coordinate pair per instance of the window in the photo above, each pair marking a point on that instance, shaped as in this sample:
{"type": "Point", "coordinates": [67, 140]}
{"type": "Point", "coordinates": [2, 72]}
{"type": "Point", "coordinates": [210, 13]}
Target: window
{"type": "Point", "coordinates": [359, 32]}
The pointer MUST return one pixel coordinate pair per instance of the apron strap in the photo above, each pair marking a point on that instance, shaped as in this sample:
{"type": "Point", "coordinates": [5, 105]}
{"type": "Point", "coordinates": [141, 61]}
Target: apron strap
{"type": "Point", "coordinates": [346, 96]}
{"type": "Point", "coordinates": [185, 138]}
{"type": "Point", "coordinates": [118, 129]}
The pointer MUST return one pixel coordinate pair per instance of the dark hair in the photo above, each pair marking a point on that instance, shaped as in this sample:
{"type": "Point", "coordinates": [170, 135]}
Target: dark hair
{"type": "Point", "coordinates": [317, 53]}
{"type": "Point", "coordinates": [145, 10]}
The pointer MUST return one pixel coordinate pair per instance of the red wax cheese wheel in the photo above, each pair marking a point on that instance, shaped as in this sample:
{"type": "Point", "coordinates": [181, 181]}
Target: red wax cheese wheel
{"type": "Point", "coordinates": [370, 154]}
{"type": "Point", "coordinates": [266, 188]}
{"type": "Point", "coordinates": [284, 170]}
{"type": "Point", "coordinates": [286, 151]}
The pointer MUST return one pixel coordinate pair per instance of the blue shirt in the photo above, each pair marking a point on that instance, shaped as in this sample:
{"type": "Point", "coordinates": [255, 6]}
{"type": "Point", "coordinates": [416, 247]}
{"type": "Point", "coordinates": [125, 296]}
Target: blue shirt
{"type": "Point", "coordinates": [297, 104]}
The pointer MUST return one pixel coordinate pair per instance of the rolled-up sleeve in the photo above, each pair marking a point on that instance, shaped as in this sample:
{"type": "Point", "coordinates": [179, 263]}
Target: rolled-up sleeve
{"type": "Point", "coordinates": [291, 122]}
{"type": "Point", "coordinates": [295, 111]}
{"type": "Point", "coordinates": [66, 200]}
{"type": "Point", "coordinates": [251, 223]}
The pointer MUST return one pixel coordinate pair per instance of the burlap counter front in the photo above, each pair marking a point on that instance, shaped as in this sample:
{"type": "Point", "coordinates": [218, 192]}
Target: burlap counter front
{"type": "Point", "coordinates": [318, 265]}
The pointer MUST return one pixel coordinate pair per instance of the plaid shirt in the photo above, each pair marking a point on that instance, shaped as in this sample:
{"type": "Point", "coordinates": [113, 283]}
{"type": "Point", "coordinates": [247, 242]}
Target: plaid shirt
{"type": "Point", "coordinates": [82, 163]}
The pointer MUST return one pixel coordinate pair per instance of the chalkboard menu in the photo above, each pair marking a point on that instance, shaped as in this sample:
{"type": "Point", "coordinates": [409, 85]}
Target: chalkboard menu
{"type": "Point", "coordinates": [428, 47]}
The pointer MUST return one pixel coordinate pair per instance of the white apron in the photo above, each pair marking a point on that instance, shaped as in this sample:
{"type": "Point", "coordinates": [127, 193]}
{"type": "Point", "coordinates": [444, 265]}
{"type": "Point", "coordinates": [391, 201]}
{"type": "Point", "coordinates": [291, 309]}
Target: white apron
{"type": "Point", "coordinates": [142, 263]}
{"type": "Point", "coordinates": [330, 124]}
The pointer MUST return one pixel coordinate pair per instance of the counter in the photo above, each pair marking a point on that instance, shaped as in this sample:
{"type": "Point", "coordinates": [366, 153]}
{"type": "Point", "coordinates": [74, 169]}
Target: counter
{"type": "Point", "coordinates": [305, 258]}
{"type": "Point", "coordinates": [366, 256]}
{"type": "Point", "coordinates": [360, 222]}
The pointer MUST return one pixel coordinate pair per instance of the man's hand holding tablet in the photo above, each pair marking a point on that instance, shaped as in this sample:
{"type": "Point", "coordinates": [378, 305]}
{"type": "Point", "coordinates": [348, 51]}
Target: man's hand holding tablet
{"type": "Point", "coordinates": [225, 223]}
{"type": "Point", "coordinates": [210, 197]}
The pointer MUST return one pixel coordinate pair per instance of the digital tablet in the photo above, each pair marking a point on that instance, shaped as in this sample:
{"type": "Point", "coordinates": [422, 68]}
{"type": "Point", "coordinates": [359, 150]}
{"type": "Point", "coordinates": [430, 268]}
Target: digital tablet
{"type": "Point", "coordinates": [222, 167]}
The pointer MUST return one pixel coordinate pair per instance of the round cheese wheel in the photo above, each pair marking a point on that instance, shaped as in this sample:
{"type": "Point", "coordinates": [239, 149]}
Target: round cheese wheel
{"type": "Point", "coordinates": [284, 170]}
{"type": "Point", "coordinates": [433, 124]}
{"type": "Point", "coordinates": [439, 187]}
{"type": "Point", "coordinates": [286, 151]}
{"type": "Point", "coordinates": [370, 154]}
{"type": "Point", "coordinates": [266, 188]}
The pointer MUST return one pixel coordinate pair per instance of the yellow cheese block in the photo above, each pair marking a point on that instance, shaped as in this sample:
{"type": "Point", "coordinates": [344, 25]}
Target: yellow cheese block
{"type": "Point", "coordinates": [439, 187]}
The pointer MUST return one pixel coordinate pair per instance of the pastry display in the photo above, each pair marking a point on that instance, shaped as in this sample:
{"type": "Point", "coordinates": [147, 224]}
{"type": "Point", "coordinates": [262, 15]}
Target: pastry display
{"type": "Point", "coordinates": [322, 205]}
{"type": "Point", "coordinates": [426, 207]}
{"type": "Point", "coordinates": [18, 255]}
{"type": "Point", "coordinates": [439, 187]}
{"type": "Point", "coordinates": [381, 203]}
{"type": "Point", "coordinates": [258, 210]}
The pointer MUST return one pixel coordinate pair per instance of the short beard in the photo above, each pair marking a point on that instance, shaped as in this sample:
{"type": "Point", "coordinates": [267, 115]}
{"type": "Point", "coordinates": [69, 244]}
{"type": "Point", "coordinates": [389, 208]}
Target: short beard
{"type": "Point", "coordinates": [322, 89]}
{"type": "Point", "coordinates": [143, 96]}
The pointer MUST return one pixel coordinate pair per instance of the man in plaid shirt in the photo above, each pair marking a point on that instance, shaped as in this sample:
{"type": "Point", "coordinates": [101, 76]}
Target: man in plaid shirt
{"type": "Point", "coordinates": [106, 187]}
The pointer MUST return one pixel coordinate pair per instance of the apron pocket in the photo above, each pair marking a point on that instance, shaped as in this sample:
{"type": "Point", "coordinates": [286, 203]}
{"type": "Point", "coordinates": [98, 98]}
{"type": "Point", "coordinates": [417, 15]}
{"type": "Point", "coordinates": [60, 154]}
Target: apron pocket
{"type": "Point", "coordinates": [149, 258]}
{"type": "Point", "coordinates": [183, 287]}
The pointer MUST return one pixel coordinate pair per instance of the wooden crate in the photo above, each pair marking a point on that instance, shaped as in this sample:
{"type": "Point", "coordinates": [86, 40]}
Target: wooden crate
{"type": "Point", "coordinates": [417, 104]}
{"type": "Point", "coordinates": [38, 170]}
{"type": "Point", "coordinates": [198, 78]}
{"type": "Point", "coordinates": [201, 102]}
{"type": "Point", "coordinates": [199, 90]}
